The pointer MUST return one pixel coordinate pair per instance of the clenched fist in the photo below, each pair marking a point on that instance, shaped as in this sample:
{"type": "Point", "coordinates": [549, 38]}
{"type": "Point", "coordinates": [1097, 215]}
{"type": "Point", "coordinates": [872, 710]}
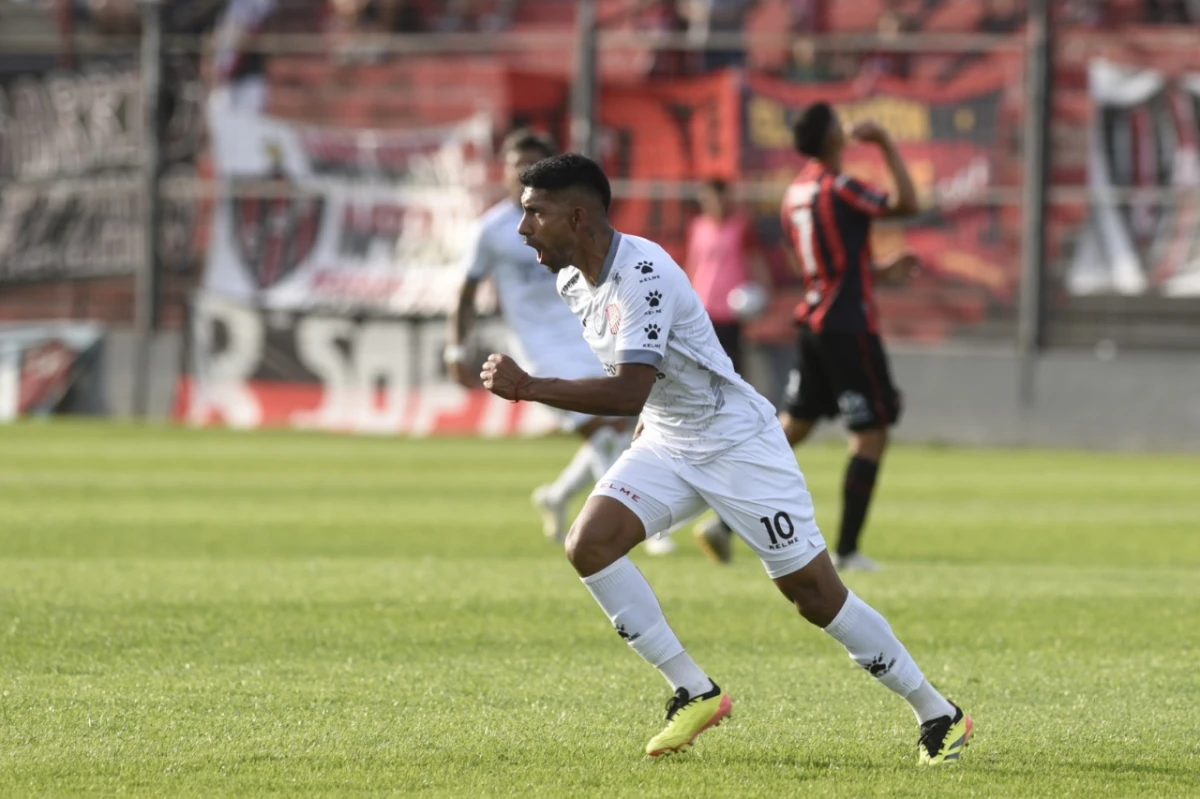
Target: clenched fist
{"type": "Point", "coordinates": [869, 131]}
{"type": "Point", "coordinates": [503, 377]}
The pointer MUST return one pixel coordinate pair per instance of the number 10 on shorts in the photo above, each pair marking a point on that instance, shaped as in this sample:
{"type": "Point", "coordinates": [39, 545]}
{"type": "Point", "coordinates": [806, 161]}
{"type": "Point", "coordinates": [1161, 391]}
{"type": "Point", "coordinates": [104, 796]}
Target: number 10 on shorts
{"type": "Point", "coordinates": [780, 530]}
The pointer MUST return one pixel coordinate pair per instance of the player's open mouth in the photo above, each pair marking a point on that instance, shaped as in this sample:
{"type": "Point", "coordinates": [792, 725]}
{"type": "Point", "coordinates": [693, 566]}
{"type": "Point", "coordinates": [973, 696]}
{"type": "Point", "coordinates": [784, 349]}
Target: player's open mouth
{"type": "Point", "coordinates": [536, 249]}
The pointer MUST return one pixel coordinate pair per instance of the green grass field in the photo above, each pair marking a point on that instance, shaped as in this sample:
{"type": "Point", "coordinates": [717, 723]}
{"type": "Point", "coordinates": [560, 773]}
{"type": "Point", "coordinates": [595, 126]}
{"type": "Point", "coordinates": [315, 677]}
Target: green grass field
{"type": "Point", "coordinates": [213, 613]}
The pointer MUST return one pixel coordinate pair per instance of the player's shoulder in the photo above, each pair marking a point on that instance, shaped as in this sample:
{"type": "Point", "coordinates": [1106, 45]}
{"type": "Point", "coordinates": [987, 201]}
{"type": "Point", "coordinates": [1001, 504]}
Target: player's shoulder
{"type": "Point", "coordinates": [640, 260]}
{"type": "Point", "coordinates": [808, 181]}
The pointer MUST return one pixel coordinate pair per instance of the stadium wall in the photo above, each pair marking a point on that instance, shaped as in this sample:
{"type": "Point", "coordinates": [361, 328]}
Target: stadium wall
{"type": "Point", "coordinates": [1139, 401]}
{"type": "Point", "coordinates": [166, 356]}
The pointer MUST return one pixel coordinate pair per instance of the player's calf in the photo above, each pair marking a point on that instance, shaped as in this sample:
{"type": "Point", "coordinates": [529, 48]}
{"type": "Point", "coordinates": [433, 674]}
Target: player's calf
{"type": "Point", "coordinates": [822, 599]}
{"type": "Point", "coordinates": [816, 590]}
{"type": "Point", "coordinates": [597, 547]}
{"type": "Point", "coordinates": [858, 486]}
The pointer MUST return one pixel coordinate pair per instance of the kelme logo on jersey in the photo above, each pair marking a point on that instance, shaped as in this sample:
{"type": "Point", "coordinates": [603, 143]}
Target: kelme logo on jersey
{"type": "Point", "coordinates": [614, 318]}
{"type": "Point", "coordinates": [646, 268]}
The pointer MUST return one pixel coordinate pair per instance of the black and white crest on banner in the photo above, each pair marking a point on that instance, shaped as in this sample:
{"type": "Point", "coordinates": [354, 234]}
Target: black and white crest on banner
{"type": "Point", "coordinates": [275, 230]}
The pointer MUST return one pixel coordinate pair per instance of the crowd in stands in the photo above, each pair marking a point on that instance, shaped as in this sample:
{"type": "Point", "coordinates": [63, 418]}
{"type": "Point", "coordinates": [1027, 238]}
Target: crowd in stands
{"type": "Point", "coordinates": [236, 23]}
{"type": "Point", "coordinates": [200, 16]}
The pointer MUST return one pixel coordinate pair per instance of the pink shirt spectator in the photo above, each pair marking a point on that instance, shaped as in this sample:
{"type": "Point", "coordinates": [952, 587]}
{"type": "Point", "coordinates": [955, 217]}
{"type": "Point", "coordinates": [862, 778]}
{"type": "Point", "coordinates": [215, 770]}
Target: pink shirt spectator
{"type": "Point", "coordinates": [718, 260]}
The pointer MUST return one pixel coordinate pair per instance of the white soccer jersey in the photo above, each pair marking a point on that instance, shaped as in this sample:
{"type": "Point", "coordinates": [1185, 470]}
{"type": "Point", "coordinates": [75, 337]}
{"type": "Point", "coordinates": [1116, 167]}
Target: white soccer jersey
{"type": "Point", "coordinates": [644, 310]}
{"type": "Point", "coordinates": [547, 335]}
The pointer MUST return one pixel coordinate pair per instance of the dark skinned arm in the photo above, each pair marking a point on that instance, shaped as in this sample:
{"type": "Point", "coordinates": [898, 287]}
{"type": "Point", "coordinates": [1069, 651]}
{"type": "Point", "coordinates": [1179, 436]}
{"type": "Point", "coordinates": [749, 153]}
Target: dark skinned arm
{"type": "Point", "coordinates": [623, 394]}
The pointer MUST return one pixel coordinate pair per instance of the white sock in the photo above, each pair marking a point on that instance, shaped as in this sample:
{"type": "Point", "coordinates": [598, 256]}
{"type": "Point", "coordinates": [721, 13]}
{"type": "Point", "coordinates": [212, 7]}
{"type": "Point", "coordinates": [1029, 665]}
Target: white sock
{"type": "Point", "coordinates": [928, 704]}
{"type": "Point", "coordinates": [631, 605]}
{"type": "Point", "coordinates": [871, 643]}
{"type": "Point", "coordinates": [682, 672]}
{"type": "Point", "coordinates": [576, 477]}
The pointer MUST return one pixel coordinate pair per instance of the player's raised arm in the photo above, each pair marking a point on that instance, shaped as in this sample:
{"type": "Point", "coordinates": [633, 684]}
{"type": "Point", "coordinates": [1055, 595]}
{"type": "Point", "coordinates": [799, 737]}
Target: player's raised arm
{"type": "Point", "coordinates": [904, 201]}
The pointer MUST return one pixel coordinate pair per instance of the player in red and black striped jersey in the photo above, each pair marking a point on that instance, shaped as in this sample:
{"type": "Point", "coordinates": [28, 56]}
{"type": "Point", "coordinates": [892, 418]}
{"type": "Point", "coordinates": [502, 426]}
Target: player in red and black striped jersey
{"type": "Point", "coordinates": [841, 368]}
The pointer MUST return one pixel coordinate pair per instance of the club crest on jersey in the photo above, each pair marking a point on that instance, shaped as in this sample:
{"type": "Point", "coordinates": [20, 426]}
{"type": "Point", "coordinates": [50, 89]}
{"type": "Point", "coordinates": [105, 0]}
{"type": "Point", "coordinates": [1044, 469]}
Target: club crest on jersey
{"type": "Point", "coordinates": [274, 235]}
{"type": "Point", "coordinates": [614, 318]}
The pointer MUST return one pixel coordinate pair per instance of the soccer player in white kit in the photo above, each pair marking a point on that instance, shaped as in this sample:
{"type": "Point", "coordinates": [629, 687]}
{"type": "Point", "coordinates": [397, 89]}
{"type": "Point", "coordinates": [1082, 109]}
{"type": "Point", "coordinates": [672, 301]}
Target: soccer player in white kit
{"type": "Point", "coordinates": [706, 438]}
{"type": "Point", "coordinates": [543, 331]}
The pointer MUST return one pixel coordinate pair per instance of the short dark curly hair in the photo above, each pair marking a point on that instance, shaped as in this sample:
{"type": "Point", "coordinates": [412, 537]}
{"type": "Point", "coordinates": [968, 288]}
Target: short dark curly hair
{"type": "Point", "coordinates": [811, 128]}
{"type": "Point", "coordinates": [569, 171]}
{"type": "Point", "coordinates": [528, 139]}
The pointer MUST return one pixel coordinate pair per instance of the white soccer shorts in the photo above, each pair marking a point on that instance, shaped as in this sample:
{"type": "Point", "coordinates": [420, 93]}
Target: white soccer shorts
{"type": "Point", "coordinates": [756, 487]}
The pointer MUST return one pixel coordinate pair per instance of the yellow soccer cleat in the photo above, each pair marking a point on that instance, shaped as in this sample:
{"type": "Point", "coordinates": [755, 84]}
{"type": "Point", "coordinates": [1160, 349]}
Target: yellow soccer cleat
{"type": "Point", "coordinates": [943, 739]}
{"type": "Point", "coordinates": [687, 718]}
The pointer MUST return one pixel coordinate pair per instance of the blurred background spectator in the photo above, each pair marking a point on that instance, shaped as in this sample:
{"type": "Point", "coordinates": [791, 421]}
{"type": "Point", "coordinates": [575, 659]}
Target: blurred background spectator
{"type": "Point", "coordinates": [806, 65]}
{"type": "Point", "coordinates": [722, 17]}
{"type": "Point", "coordinates": [888, 62]}
{"type": "Point", "coordinates": [724, 254]}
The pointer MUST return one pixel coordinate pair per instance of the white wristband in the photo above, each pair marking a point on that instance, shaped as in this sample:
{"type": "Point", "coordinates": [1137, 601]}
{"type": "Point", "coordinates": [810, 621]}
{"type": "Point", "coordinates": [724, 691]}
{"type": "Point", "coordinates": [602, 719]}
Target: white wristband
{"type": "Point", "coordinates": [455, 353]}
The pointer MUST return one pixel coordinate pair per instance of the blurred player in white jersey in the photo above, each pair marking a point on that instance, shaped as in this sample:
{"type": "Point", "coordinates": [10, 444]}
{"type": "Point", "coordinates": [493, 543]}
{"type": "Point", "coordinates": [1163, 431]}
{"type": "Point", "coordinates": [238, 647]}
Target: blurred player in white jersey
{"type": "Point", "coordinates": [706, 439]}
{"type": "Point", "coordinates": [544, 332]}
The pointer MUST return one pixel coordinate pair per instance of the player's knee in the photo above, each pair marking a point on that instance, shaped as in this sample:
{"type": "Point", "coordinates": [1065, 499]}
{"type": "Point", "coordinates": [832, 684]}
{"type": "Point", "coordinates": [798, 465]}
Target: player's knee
{"type": "Point", "coordinates": [602, 535]}
{"type": "Point", "coordinates": [590, 549]}
{"type": "Point", "coordinates": [869, 444]}
{"type": "Point", "coordinates": [577, 547]}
